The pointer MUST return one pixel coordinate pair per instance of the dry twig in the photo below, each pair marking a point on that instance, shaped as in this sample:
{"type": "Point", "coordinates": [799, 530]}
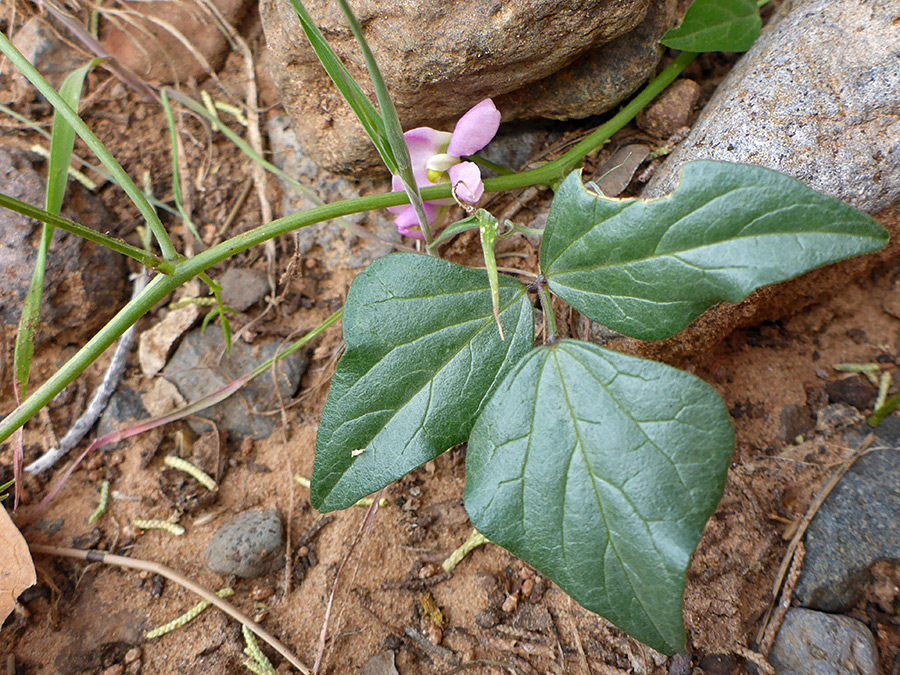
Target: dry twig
{"type": "Point", "coordinates": [178, 578]}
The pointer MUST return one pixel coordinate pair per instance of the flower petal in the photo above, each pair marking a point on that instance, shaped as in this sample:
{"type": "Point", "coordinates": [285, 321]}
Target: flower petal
{"type": "Point", "coordinates": [408, 225]}
{"type": "Point", "coordinates": [466, 180]}
{"type": "Point", "coordinates": [423, 142]}
{"type": "Point", "coordinates": [397, 186]}
{"type": "Point", "coordinates": [475, 129]}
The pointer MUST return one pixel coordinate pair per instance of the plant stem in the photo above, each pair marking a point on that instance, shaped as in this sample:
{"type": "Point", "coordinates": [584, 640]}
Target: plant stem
{"type": "Point", "coordinates": [185, 270]}
{"type": "Point", "coordinates": [549, 316]}
{"type": "Point", "coordinates": [139, 254]}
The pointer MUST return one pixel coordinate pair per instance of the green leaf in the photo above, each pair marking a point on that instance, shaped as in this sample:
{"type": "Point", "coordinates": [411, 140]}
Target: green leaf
{"type": "Point", "coordinates": [62, 143]}
{"type": "Point", "coordinates": [716, 26]}
{"type": "Point", "coordinates": [422, 356]}
{"type": "Point", "coordinates": [600, 470]}
{"type": "Point", "coordinates": [649, 268]}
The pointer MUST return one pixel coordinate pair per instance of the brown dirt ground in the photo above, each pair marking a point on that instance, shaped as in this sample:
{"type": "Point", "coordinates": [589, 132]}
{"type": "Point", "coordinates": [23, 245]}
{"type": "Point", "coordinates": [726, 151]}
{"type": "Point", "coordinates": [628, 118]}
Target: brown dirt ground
{"type": "Point", "coordinates": [90, 614]}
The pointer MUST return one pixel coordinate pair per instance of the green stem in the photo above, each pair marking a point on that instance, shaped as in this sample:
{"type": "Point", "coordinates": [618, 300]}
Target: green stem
{"type": "Point", "coordinates": [105, 156]}
{"type": "Point", "coordinates": [147, 259]}
{"type": "Point", "coordinates": [547, 308]}
{"type": "Point", "coordinates": [493, 166]}
{"type": "Point", "coordinates": [185, 270]}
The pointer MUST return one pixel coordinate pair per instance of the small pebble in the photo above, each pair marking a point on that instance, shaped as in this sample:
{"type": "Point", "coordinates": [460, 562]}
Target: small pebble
{"type": "Point", "coordinates": [262, 592]}
{"type": "Point", "coordinates": [527, 588]}
{"type": "Point", "coordinates": [487, 618]}
{"type": "Point", "coordinates": [249, 545]}
{"type": "Point", "coordinates": [428, 570]}
{"type": "Point", "coordinates": [435, 634]}
{"type": "Point", "coordinates": [815, 642]}
{"type": "Point", "coordinates": [133, 655]}
{"type": "Point", "coordinates": [510, 604]}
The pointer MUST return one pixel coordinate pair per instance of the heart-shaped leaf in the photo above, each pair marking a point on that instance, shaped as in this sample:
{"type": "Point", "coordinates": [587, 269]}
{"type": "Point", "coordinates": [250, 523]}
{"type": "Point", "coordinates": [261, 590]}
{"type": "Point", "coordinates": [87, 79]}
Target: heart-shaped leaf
{"type": "Point", "coordinates": [600, 470]}
{"type": "Point", "coordinates": [423, 353]}
{"type": "Point", "coordinates": [649, 268]}
{"type": "Point", "coordinates": [716, 26]}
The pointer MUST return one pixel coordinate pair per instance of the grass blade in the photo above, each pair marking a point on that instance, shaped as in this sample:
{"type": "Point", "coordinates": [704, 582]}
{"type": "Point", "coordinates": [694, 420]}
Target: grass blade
{"type": "Point", "coordinates": [366, 113]}
{"type": "Point", "coordinates": [62, 143]}
{"type": "Point", "coordinates": [176, 174]}
{"type": "Point", "coordinates": [392, 129]}
{"type": "Point", "coordinates": [105, 156]}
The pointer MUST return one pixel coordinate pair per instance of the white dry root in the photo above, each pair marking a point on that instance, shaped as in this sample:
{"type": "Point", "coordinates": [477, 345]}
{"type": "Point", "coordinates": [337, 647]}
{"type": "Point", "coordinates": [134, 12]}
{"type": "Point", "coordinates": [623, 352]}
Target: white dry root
{"type": "Point", "coordinates": [98, 402]}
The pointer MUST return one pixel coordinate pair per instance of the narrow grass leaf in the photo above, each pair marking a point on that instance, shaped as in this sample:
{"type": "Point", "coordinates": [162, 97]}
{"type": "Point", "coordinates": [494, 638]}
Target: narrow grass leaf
{"type": "Point", "coordinates": [119, 174]}
{"type": "Point", "coordinates": [176, 172]}
{"type": "Point", "coordinates": [392, 128]}
{"type": "Point", "coordinates": [716, 26]}
{"type": "Point", "coordinates": [649, 268]}
{"type": "Point", "coordinates": [362, 107]}
{"type": "Point", "coordinates": [601, 470]}
{"type": "Point", "coordinates": [62, 143]}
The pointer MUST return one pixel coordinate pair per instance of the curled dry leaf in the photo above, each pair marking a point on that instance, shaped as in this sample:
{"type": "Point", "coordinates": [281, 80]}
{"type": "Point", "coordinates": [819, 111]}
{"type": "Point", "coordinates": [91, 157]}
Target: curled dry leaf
{"type": "Point", "coordinates": [16, 568]}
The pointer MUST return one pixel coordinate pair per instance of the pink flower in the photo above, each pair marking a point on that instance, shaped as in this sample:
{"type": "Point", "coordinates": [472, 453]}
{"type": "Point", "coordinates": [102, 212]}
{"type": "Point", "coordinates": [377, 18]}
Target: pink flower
{"type": "Point", "coordinates": [435, 157]}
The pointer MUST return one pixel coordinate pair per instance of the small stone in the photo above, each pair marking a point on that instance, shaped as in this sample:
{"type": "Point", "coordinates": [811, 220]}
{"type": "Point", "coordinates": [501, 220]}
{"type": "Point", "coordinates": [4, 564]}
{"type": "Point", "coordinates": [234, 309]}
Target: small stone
{"type": "Point", "coordinates": [435, 634]}
{"type": "Point", "coordinates": [155, 343]}
{"type": "Point", "coordinates": [381, 664]}
{"type": "Point", "coordinates": [527, 588]}
{"type": "Point", "coordinates": [671, 110]}
{"type": "Point", "coordinates": [487, 618]}
{"type": "Point", "coordinates": [133, 655]}
{"type": "Point", "coordinates": [46, 51]}
{"type": "Point", "coordinates": [243, 288]}
{"type": "Point", "coordinates": [837, 416]}
{"type": "Point", "coordinates": [510, 604]}
{"type": "Point", "coordinates": [856, 526]}
{"type": "Point", "coordinates": [260, 593]}
{"type": "Point", "coordinates": [199, 367]}
{"type": "Point", "coordinates": [827, 644]}
{"type": "Point", "coordinates": [249, 545]}
{"type": "Point", "coordinates": [854, 391]}
{"type": "Point", "coordinates": [681, 665]}
{"type": "Point", "coordinates": [796, 420]}
{"type": "Point", "coordinates": [718, 664]}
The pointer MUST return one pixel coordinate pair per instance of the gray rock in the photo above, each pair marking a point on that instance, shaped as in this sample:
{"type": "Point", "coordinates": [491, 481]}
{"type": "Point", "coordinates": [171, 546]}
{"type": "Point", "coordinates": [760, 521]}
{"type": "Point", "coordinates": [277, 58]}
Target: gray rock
{"type": "Point", "coordinates": [243, 288]}
{"type": "Point", "coordinates": [199, 367]}
{"type": "Point", "coordinates": [815, 98]}
{"type": "Point", "coordinates": [84, 283]}
{"type": "Point", "coordinates": [438, 63]}
{"type": "Point", "coordinates": [41, 44]}
{"type": "Point", "coordinates": [598, 80]}
{"type": "Point", "coordinates": [124, 406]}
{"type": "Point", "coordinates": [248, 545]}
{"type": "Point", "coordinates": [813, 643]}
{"type": "Point", "coordinates": [336, 246]}
{"type": "Point", "coordinates": [856, 526]}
